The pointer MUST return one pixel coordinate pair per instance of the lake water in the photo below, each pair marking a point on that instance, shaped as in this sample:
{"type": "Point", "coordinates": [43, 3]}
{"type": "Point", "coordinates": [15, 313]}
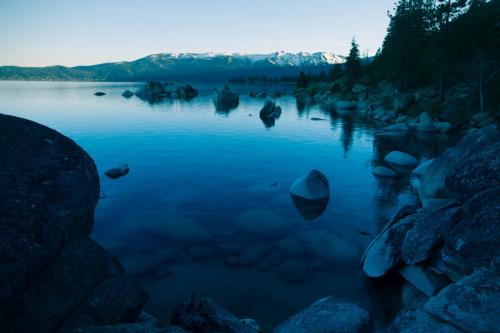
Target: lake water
{"type": "Point", "coordinates": [206, 205]}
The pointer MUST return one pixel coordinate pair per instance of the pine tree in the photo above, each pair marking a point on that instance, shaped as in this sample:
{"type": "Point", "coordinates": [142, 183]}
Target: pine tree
{"type": "Point", "coordinates": [302, 80]}
{"type": "Point", "coordinates": [353, 62]}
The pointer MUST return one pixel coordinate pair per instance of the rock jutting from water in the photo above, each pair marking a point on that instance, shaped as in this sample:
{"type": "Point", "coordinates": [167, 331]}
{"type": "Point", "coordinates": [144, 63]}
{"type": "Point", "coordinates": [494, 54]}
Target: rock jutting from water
{"type": "Point", "coordinates": [401, 159]}
{"type": "Point", "coordinates": [449, 251]}
{"type": "Point", "coordinates": [311, 194]}
{"type": "Point", "coordinates": [127, 94]}
{"type": "Point", "coordinates": [156, 91]}
{"type": "Point", "coordinates": [115, 173]}
{"type": "Point", "coordinates": [100, 93]}
{"type": "Point", "coordinates": [270, 110]}
{"type": "Point", "coordinates": [226, 100]}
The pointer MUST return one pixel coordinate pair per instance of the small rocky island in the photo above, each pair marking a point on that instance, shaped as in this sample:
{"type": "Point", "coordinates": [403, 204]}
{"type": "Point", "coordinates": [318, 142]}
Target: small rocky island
{"type": "Point", "coordinates": [155, 91]}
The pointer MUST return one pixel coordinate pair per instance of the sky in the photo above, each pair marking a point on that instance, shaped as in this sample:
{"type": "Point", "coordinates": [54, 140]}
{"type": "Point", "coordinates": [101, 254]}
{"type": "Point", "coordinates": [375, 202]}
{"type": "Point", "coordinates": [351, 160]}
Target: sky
{"type": "Point", "coordinates": [85, 32]}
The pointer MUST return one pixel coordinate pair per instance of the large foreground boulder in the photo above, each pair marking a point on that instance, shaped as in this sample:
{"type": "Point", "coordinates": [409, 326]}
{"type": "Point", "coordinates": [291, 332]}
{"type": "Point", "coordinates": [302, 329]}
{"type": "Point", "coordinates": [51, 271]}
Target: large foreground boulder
{"type": "Point", "coordinates": [328, 315]}
{"type": "Point", "coordinates": [50, 268]}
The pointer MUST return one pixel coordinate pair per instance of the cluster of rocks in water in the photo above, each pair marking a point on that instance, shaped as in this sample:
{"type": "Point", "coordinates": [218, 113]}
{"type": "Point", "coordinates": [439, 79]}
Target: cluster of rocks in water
{"type": "Point", "coordinates": [226, 100]}
{"type": "Point", "coordinates": [156, 91]}
{"type": "Point", "coordinates": [448, 250]}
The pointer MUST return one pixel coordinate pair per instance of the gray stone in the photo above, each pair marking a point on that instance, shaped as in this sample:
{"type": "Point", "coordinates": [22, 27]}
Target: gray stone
{"type": "Point", "coordinates": [117, 172]}
{"type": "Point", "coordinates": [424, 279]}
{"type": "Point", "coordinates": [422, 168]}
{"type": "Point", "coordinates": [400, 159]}
{"type": "Point", "coordinates": [417, 321]}
{"type": "Point", "coordinates": [328, 315]}
{"type": "Point", "coordinates": [199, 314]}
{"type": "Point", "coordinates": [384, 172]}
{"type": "Point", "coordinates": [472, 303]}
{"type": "Point", "coordinates": [226, 100]}
{"type": "Point", "coordinates": [313, 186]}
{"type": "Point", "coordinates": [425, 124]}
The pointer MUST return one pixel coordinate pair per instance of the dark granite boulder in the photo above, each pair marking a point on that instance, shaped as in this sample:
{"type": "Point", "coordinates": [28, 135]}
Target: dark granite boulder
{"type": "Point", "coordinates": [270, 110]}
{"type": "Point", "coordinates": [328, 315]}
{"type": "Point", "coordinates": [203, 315]}
{"type": "Point", "coordinates": [48, 190]}
{"type": "Point", "coordinates": [51, 272]}
{"type": "Point", "coordinates": [127, 94]}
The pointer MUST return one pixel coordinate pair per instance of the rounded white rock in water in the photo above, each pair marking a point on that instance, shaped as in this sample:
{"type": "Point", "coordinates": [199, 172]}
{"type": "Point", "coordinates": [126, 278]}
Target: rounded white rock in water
{"type": "Point", "coordinates": [401, 159]}
{"type": "Point", "coordinates": [313, 186]}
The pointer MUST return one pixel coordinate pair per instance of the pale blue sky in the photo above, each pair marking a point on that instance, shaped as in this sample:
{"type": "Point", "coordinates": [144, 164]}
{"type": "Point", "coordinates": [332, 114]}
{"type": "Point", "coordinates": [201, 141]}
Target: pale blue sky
{"type": "Point", "coordinates": [81, 32]}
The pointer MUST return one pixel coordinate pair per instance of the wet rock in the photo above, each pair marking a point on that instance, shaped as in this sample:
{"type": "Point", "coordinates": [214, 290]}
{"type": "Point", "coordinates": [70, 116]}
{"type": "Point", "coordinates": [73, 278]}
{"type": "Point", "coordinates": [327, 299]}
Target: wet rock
{"type": "Point", "coordinates": [384, 252]}
{"type": "Point", "coordinates": [293, 270]}
{"type": "Point", "coordinates": [384, 172]}
{"type": "Point", "coordinates": [127, 94]}
{"type": "Point", "coordinates": [313, 186]}
{"type": "Point", "coordinates": [328, 315]}
{"type": "Point", "coordinates": [270, 110]}
{"type": "Point", "coordinates": [100, 93]}
{"type": "Point", "coordinates": [425, 124]}
{"type": "Point", "coordinates": [152, 92]}
{"type": "Point", "coordinates": [471, 304]}
{"type": "Point", "coordinates": [424, 279]}
{"type": "Point", "coordinates": [115, 173]}
{"type": "Point", "coordinates": [422, 168]}
{"type": "Point", "coordinates": [401, 159]}
{"type": "Point", "coordinates": [226, 100]}
{"type": "Point", "coordinates": [198, 314]}
{"type": "Point", "coordinates": [411, 297]}
{"type": "Point", "coordinates": [399, 127]}
{"type": "Point", "coordinates": [418, 321]}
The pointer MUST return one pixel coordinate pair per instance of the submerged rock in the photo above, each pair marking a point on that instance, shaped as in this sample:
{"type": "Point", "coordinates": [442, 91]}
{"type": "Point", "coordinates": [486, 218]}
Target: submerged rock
{"type": "Point", "coordinates": [328, 315]}
{"type": "Point", "coordinates": [100, 93]}
{"type": "Point", "coordinates": [401, 159]}
{"type": "Point", "coordinates": [127, 94]}
{"type": "Point", "coordinates": [261, 222]}
{"type": "Point", "coordinates": [226, 100]}
{"type": "Point", "coordinates": [424, 279]}
{"type": "Point", "coordinates": [115, 173]}
{"type": "Point", "coordinates": [293, 270]}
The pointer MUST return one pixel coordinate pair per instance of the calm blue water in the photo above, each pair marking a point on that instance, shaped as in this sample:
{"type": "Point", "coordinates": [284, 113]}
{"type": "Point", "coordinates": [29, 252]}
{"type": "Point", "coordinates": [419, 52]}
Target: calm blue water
{"type": "Point", "coordinates": [206, 204]}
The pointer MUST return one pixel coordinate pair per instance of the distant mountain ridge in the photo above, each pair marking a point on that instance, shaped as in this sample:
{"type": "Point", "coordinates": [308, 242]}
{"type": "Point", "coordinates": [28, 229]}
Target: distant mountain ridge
{"type": "Point", "coordinates": [164, 66]}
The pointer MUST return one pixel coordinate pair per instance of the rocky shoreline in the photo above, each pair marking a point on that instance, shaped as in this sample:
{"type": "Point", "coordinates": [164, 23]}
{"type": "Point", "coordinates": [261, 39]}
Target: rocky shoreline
{"type": "Point", "coordinates": [56, 279]}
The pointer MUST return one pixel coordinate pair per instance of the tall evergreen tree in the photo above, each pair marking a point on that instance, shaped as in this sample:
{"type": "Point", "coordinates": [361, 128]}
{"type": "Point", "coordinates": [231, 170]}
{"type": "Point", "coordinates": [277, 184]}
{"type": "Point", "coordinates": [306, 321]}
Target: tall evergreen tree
{"type": "Point", "coordinates": [353, 61]}
{"type": "Point", "coordinates": [302, 80]}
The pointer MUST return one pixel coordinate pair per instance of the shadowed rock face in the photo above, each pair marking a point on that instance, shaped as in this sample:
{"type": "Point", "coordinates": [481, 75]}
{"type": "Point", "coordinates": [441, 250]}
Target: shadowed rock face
{"type": "Point", "coordinates": [49, 267]}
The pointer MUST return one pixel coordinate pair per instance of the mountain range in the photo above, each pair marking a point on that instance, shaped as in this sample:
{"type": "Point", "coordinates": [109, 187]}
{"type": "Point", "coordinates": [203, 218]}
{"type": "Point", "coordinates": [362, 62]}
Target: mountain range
{"type": "Point", "coordinates": [165, 66]}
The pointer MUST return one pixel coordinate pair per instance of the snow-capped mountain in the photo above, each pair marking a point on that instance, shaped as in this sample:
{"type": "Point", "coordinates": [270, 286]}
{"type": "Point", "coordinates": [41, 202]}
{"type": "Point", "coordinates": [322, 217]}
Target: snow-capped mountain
{"type": "Point", "coordinates": [192, 66]}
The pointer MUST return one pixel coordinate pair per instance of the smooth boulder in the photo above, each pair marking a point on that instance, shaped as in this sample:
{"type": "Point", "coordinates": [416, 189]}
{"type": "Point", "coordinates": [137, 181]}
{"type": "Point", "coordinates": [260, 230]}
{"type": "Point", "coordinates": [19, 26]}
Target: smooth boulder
{"type": "Point", "coordinates": [328, 315]}
{"type": "Point", "coordinates": [425, 124]}
{"type": "Point", "coordinates": [127, 94]}
{"type": "Point", "coordinates": [314, 186]}
{"type": "Point", "coordinates": [384, 172]}
{"type": "Point", "coordinates": [100, 93]}
{"type": "Point", "coordinates": [400, 159]}
{"type": "Point", "coordinates": [115, 173]}
{"type": "Point", "coordinates": [422, 168]}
